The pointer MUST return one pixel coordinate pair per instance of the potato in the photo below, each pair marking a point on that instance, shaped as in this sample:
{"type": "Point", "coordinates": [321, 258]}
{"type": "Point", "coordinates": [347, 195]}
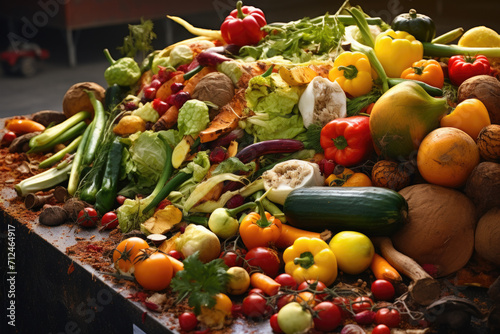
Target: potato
{"type": "Point", "coordinates": [483, 187]}
{"type": "Point", "coordinates": [440, 228]}
{"type": "Point", "coordinates": [486, 89]}
{"type": "Point", "coordinates": [76, 99]}
{"type": "Point", "coordinates": [487, 239]}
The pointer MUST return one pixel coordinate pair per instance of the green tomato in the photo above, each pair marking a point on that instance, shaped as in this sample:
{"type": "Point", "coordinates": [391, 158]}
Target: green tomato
{"type": "Point", "coordinates": [222, 224]}
{"type": "Point", "coordinates": [294, 319]}
{"type": "Point", "coordinates": [353, 250]}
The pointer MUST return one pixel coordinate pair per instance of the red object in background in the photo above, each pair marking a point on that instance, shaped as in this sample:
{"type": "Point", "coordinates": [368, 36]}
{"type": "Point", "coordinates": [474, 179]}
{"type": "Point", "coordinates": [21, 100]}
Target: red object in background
{"type": "Point", "coordinates": [24, 59]}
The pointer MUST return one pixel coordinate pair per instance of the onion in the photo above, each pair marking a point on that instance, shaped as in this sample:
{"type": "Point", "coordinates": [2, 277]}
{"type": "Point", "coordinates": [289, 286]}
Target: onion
{"type": "Point", "coordinates": [352, 329]}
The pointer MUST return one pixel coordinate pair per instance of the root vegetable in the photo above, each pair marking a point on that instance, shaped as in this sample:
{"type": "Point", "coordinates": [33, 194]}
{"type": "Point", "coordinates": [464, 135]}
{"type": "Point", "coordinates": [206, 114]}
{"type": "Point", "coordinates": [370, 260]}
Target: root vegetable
{"type": "Point", "coordinates": [482, 187]}
{"type": "Point", "coordinates": [76, 99]}
{"type": "Point", "coordinates": [33, 201]}
{"type": "Point", "coordinates": [486, 89]}
{"type": "Point", "coordinates": [440, 230]}
{"type": "Point", "coordinates": [487, 238]}
{"type": "Point", "coordinates": [53, 216]}
{"type": "Point", "coordinates": [424, 289]}
{"type": "Point", "coordinates": [48, 117]}
{"type": "Point", "coordinates": [73, 206]}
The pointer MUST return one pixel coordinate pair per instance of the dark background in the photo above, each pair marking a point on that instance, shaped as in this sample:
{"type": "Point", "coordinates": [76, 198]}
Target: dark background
{"type": "Point", "coordinates": [19, 95]}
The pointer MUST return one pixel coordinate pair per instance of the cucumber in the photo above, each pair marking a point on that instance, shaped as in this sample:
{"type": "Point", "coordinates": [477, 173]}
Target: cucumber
{"type": "Point", "coordinates": [373, 211]}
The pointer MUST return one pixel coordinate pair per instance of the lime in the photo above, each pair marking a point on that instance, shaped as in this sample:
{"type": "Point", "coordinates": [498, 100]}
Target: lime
{"type": "Point", "coordinates": [480, 37]}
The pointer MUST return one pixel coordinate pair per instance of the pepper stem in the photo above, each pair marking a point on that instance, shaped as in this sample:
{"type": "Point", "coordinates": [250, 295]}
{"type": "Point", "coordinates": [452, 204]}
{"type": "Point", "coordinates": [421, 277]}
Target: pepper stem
{"type": "Point", "coordinates": [268, 72]}
{"type": "Point", "coordinates": [350, 71]}
{"type": "Point", "coordinates": [233, 212]}
{"type": "Point", "coordinates": [241, 15]}
{"type": "Point", "coordinates": [262, 222]}
{"type": "Point", "coordinates": [418, 70]}
{"type": "Point", "coordinates": [340, 142]}
{"type": "Point", "coordinates": [305, 260]}
{"type": "Point", "coordinates": [108, 57]}
{"type": "Point", "coordinates": [413, 13]}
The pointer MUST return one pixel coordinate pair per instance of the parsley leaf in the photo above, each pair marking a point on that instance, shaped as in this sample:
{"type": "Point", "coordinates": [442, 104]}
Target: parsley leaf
{"type": "Point", "coordinates": [201, 282]}
{"type": "Point", "coordinates": [139, 39]}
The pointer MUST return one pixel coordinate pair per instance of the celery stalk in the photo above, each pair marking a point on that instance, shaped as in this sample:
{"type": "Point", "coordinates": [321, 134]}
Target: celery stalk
{"type": "Point", "coordinates": [52, 133]}
{"type": "Point", "coordinates": [45, 180]}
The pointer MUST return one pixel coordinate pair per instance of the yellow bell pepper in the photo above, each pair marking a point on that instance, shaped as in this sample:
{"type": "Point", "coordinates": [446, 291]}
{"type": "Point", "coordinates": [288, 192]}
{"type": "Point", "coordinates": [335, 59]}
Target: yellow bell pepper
{"type": "Point", "coordinates": [352, 71]}
{"type": "Point", "coordinates": [396, 51]}
{"type": "Point", "coordinates": [310, 259]}
{"type": "Point", "coordinates": [470, 116]}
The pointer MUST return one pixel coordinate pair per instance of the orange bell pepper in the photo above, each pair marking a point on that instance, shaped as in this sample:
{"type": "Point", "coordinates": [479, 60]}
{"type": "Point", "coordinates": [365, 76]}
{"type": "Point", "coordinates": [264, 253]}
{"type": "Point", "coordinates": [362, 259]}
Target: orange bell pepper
{"type": "Point", "coordinates": [470, 116]}
{"type": "Point", "coordinates": [345, 177]}
{"type": "Point", "coordinates": [425, 70]}
{"type": "Point", "coordinates": [260, 229]}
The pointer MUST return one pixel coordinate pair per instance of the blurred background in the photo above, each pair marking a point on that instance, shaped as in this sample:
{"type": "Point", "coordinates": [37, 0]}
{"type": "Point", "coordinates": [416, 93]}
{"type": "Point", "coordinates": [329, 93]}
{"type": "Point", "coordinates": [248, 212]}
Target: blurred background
{"type": "Point", "coordinates": [75, 32]}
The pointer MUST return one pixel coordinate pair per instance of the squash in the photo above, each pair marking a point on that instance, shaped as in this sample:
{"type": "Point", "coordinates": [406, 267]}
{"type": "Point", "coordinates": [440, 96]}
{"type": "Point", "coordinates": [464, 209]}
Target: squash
{"type": "Point", "coordinates": [447, 156]}
{"type": "Point", "coordinates": [391, 174]}
{"type": "Point", "coordinates": [402, 117]}
{"type": "Point", "coordinates": [440, 231]}
{"type": "Point", "coordinates": [488, 142]}
{"type": "Point", "coordinates": [369, 210]}
{"type": "Point", "coordinates": [487, 238]}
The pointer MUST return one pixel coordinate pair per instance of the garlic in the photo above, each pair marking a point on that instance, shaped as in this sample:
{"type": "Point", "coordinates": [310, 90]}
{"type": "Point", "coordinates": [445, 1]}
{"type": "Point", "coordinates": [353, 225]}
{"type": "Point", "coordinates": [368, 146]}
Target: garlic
{"type": "Point", "coordinates": [289, 175]}
{"type": "Point", "coordinates": [322, 101]}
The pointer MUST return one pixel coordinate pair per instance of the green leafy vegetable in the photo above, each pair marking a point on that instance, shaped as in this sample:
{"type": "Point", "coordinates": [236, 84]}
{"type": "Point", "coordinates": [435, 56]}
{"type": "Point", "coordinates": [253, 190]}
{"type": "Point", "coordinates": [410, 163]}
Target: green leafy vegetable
{"type": "Point", "coordinates": [200, 282]}
{"type": "Point", "coordinates": [232, 165]}
{"type": "Point", "coordinates": [298, 41]}
{"type": "Point", "coordinates": [139, 39]}
{"type": "Point", "coordinates": [193, 117]}
{"type": "Point", "coordinates": [355, 105]}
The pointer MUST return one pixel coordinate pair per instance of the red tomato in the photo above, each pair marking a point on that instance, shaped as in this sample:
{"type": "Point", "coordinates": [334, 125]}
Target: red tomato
{"type": "Point", "coordinates": [120, 199]}
{"type": "Point", "coordinates": [283, 300]}
{"type": "Point", "coordinates": [109, 221]}
{"type": "Point", "coordinates": [274, 324]}
{"type": "Point", "coordinates": [175, 254]}
{"type": "Point", "coordinates": [315, 285]}
{"type": "Point", "coordinates": [383, 290]}
{"type": "Point", "coordinates": [255, 306]}
{"type": "Point", "coordinates": [344, 306]}
{"type": "Point", "coordinates": [264, 258]}
{"type": "Point", "coordinates": [286, 280]}
{"type": "Point", "coordinates": [233, 258]}
{"type": "Point", "coordinates": [381, 329]}
{"type": "Point", "coordinates": [8, 137]}
{"type": "Point", "coordinates": [188, 321]}
{"type": "Point", "coordinates": [328, 317]}
{"type": "Point", "coordinates": [389, 317]}
{"type": "Point", "coordinates": [361, 304]}
{"type": "Point", "coordinates": [87, 217]}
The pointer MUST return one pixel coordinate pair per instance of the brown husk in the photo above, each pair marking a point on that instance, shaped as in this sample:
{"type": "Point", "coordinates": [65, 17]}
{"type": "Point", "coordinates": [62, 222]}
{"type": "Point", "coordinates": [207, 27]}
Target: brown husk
{"type": "Point", "coordinates": [486, 89]}
{"type": "Point", "coordinates": [483, 187]}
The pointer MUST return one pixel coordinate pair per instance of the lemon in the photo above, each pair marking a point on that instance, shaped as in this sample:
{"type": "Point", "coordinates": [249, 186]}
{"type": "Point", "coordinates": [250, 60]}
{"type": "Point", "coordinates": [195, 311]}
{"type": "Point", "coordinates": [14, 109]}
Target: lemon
{"type": "Point", "coordinates": [480, 37]}
{"type": "Point", "coordinates": [353, 250]}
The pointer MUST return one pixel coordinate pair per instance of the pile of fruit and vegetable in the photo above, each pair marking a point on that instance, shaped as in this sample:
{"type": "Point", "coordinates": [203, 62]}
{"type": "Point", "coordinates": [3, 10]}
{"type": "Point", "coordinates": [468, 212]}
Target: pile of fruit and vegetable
{"type": "Point", "coordinates": [330, 174]}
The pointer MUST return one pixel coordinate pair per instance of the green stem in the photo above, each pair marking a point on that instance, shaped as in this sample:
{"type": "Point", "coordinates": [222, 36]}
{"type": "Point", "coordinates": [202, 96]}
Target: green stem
{"type": "Point", "coordinates": [98, 129]}
{"type": "Point", "coordinates": [76, 169]}
{"type": "Point", "coordinates": [239, 5]}
{"type": "Point", "coordinates": [233, 212]}
{"type": "Point", "coordinates": [69, 134]}
{"type": "Point", "coordinates": [262, 222]}
{"type": "Point", "coordinates": [340, 142]}
{"type": "Point", "coordinates": [448, 37]}
{"type": "Point", "coordinates": [306, 260]}
{"type": "Point", "coordinates": [418, 69]}
{"type": "Point", "coordinates": [191, 73]}
{"type": "Point", "coordinates": [413, 13]}
{"type": "Point", "coordinates": [268, 72]}
{"type": "Point", "coordinates": [350, 71]}
{"type": "Point", "coordinates": [59, 155]}
{"type": "Point", "coordinates": [442, 50]}
{"type": "Point", "coordinates": [375, 63]}
{"type": "Point", "coordinates": [108, 57]}
{"type": "Point", "coordinates": [363, 26]}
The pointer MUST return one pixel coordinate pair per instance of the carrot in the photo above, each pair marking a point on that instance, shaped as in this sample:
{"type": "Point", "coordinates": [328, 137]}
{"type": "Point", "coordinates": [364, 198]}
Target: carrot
{"type": "Point", "coordinates": [289, 234]}
{"type": "Point", "coordinates": [176, 264]}
{"type": "Point", "coordinates": [265, 283]}
{"type": "Point", "coordinates": [165, 89]}
{"type": "Point", "coordinates": [21, 126]}
{"type": "Point", "coordinates": [383, 270]}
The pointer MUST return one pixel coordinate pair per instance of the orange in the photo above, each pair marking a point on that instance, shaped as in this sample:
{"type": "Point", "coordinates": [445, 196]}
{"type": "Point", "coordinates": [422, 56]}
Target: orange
{"type": "Point", "coordinates": [447, 156]}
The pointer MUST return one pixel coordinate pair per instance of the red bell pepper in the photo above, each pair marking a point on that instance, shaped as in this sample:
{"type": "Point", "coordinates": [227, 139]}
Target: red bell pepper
{"type": "Point", "coordinates": [461, 68]}
{"type": "Point", "coordinates": [347, 141]}
{"type": "Point", "coordinates": [243, 25]}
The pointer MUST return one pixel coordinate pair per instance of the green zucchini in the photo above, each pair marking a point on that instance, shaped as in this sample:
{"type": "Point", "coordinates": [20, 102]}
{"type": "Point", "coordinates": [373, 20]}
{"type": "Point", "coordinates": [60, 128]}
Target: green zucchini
{"type": "Point", "coordinates": [373, 211]}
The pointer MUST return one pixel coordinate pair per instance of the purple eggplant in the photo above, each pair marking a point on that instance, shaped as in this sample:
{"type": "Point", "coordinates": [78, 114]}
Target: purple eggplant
{"type": "Point", "coordinates": [256, 150]}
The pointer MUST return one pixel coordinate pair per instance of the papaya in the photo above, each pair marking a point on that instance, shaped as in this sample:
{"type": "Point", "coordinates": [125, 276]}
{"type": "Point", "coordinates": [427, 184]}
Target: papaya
{"type": "Point", "coordinates": [402, 117]}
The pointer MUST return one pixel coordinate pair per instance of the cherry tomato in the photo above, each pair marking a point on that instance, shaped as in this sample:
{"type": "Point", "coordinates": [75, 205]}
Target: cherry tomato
{"type": "Point", "coordinates": [344, 306]}
{"type": "Point", "coordinates": [381, 329]}
{"type": "Point", "coordinates": [273, 321]}
{"type": "Point", "coordinates": [8, 137]}
{"type": "Point", "coordinates": [307, 297]}
{"type": "Point", "coordinates": [125, 253]}
{"type": "Point", "coordinates": [109, 221]}
{"type": "Point", "coordinates": [120, 199]}
{"type": "Point", "coordinates": [153, 269]}
{"type": "Point", "coordinates": [233, 258]}
{"type": "Point", "coordinates": [255, 306]}
{"type": "Point", "coordinates": [188, 321]}
{"type": "Point", "coordinates": [87, 217]}
{"type": "Point", "coordinates": [283, 300]}
{"type": "Point", "coordinates": [286, 280]}
{"type": "Point", "coordinates": [389, 317]}
{"type": "Point", "coordinates": [361, 304]}
{"type": "Point", "coordinates": [257, 291]}
{"type": "Point", "coordinates": [328, 317]}
{"type": "Point", "coordinates": [175, 254]}
{"type": "Point", "coordinates": [315, 285]}
{"type": "Point", "coordinates": [383, 290]}
{"type": "Point", "coordinates": [264, 258]}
